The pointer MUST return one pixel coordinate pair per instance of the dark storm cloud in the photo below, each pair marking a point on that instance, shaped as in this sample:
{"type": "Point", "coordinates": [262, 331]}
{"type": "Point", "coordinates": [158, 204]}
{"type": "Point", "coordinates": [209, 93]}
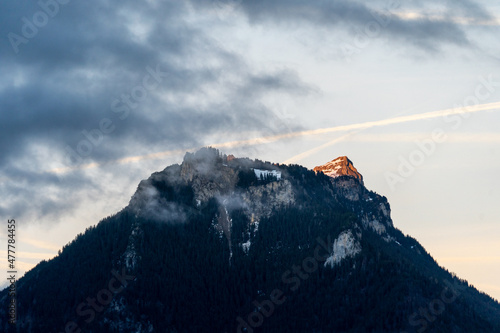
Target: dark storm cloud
{"type": "Point", "coordinates": [38, 195]}
{"type": "Point", "coordinates": [86, 57]}
{"type": "Point", "coordinates": [427, 34]}
{"type": "Point", "coordinates": [67, 66]}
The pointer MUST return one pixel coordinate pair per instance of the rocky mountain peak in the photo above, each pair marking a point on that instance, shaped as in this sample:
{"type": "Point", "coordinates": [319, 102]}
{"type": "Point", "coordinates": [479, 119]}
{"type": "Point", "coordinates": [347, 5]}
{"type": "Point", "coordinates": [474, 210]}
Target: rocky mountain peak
{"type": "Point", "coordinates": [341, 166]}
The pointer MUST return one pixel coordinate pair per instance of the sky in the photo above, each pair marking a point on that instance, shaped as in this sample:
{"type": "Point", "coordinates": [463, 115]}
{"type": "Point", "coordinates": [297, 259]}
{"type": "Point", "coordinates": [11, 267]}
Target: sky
{"type": "Point", "coordinates": [95, 96]}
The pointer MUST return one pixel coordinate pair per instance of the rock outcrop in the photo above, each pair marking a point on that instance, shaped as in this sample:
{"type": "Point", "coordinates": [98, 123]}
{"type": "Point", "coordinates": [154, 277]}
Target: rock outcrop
{"type": "Point", "coordinates": [341, 166]}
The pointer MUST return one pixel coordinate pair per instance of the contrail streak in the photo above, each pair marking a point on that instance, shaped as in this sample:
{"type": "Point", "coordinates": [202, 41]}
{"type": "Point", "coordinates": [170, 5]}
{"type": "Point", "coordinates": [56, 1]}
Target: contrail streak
{"type": "Point", "coordinates": [396, 120]}
{"type": "Point", "coordinates": [278, 137]}
{"type": "Point", "coordinates": [305, 154]}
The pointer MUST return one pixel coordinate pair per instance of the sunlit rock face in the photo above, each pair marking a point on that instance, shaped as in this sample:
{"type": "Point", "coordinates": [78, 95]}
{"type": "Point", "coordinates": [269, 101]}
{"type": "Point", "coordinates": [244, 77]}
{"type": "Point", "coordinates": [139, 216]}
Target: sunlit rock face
{"type": "Point", "coordinates": [341, 166]}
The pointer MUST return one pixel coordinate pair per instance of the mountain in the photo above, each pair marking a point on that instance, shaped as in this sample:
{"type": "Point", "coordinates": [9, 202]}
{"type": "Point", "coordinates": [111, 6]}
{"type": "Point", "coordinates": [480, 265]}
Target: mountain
{"type": "Point", "coordinates": [341, 166]}
{"type": "Point", "coordinates": [226, 244]}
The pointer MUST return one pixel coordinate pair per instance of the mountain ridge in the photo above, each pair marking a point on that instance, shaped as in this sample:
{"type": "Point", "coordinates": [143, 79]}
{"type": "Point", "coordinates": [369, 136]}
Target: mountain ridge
{"type": "Point", "coordinates": [210, 234]}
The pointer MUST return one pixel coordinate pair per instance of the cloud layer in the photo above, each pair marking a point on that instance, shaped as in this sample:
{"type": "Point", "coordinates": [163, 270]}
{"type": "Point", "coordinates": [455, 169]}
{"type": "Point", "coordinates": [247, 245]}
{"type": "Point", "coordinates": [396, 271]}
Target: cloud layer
{"type": "Point", "coordinates": [424, 32]}
{"type": "Point", "coordinates": [94, 82]}
{"type": "Point", "coordinates": [97, 82]}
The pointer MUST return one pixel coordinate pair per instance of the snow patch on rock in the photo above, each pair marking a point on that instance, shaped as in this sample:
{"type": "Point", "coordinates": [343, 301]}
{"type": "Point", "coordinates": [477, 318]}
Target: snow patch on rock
{"type": "Point", "coordinates": [130, 256]}
{"type": "Point", "coordinates": [344, 246]}
{"type": "Point", "coordinates": [374, 224]}
{"type": "Point", "coordinates": [246, 246]}
{"type": "Point", "coordinates": [262, 174]}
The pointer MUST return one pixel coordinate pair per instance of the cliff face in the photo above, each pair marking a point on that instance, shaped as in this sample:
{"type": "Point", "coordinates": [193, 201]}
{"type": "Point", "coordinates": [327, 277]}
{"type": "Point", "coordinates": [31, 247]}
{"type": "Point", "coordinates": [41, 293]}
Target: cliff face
{"type": "Point", "coordinates": [341, 166]}
{"type": "Point", "coordinates": [372, 210]}
{"type": "Point", "coordinates": [176, 192]}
